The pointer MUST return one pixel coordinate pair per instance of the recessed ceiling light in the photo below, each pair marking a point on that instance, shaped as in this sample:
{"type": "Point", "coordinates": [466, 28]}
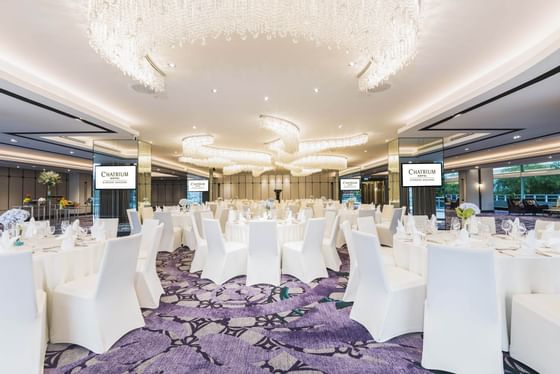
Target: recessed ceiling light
{"type": "Point", "coordinates": [410, 162]}
{"type": "Point", "coordinates": [386, 140]}
{"type": "Point", "coordinates": [17, 166]}
{"type": "Point", "coordinates": [71, 152]}
{"type": "Point", "coordinates": [316, 90]}
{"type": "Point", "coordinates": [158, 169]}
{"type": "Point", "coordinates": [517, 137]}
{"type": "Point", "coordinates": [509, 162]}
{"type": "Point", "coordinates": [68, 170]}
{"type": "Point", "coordinates": [13, 140]}
{"type": "Point", "coordinates": [365, 150]}
{"type": "Point", "coordinates": [466, 149]}
{"type": "Point", "coordinates": [266, 98]}
{"type": "Point", "coordinates": [339, 126]}
{"type": "Point", "coordinates": [78, 119]}
{"type": "Point", "coordinates": [351, 63]}
{"type": "Point", "coordinates": [550, 157]}
{"type": "Point", "coordinates": [33, 166]}
{"type": "Point", "coordinates": [214, 90]}
{"type": "Point", "coordinates": [171, 65]}
{"type": "Point", "coordinates": [194, 127]}
{"type": "Point", "coordinates": [476, 167]}
{"type": "Point", "coordinates": [457, 115]}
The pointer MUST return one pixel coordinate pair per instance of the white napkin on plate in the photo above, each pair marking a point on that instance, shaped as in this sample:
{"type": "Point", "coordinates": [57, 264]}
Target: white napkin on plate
{"type": "Point", "coordinates": [301, 216]}
{"type": "Point", "coordinates": [530, 244]}
{"type": "Point", "coordinates": [68, 239]}
{"type": "Point", "coordinates": [433, 223]}
{"type": "Point", "coordinates": [515, 228]}
{"type": "Point", "coordinates": [6, 243]}
{"type": "Point", "coordinates": [76, 225]}
{"type": "Point", "coordinates": [410, 224]}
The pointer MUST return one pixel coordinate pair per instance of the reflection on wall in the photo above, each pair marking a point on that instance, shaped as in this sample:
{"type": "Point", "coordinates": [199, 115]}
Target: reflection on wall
{"type": "Point", "coordinates": [245, 186]}
{"type": "Point", "coordinates": [16, 183]}
{"type": "Point", "coordinates": [168, 191]}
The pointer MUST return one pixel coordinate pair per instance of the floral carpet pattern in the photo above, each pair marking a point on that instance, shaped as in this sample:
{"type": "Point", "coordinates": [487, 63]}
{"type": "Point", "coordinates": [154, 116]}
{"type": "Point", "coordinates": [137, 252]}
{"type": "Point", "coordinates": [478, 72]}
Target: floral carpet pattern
{"type": "Point", "coordinates": [201, 327]}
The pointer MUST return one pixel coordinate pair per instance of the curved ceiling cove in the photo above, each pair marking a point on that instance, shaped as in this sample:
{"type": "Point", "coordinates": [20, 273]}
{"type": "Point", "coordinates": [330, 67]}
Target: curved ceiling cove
{"type": "Point", "coordinates": [380, 35]}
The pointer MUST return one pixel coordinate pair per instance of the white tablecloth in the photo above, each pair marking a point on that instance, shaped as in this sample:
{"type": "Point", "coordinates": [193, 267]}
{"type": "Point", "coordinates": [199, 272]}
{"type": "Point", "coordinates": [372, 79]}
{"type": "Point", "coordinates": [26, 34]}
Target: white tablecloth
{"type": "Point", "coordinates": [515, 274]}
{"type": "Point", "coordinates": [180, 220]}
{"type": "Point", "coordinates": [57, 267]}
{"type": "Point", "coordinates": [346, 215]}
{"type": "Point", "coordinates": [287, 232]}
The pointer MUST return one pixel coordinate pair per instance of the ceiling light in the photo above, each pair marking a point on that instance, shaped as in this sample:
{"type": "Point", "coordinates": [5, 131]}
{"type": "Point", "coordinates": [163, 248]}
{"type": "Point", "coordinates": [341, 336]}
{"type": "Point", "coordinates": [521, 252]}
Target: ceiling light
{"type": "Point", "coordinates": [457, 115]}
{"type": "Point", "coordinates": [286, 130]}
{"type": "Point", "coordinates": [194, 127]}
{"type": "Point", "coordinates": [171, 65]}
{"type": "Point", "coordinates": [550, 157]}
{"type": "Point", "coordinates": [324, 145]}
{"type": "Point", "coordinates": [13, 140]}
{"type": "Point", "coordinates": [316, 90]}
{"type": "Point", "coordinates": [466, 149]}
{"type": "Point", "coordinates": [322, 162]}
{"type": "Point", "coordinates": [214, 90]}
{"type": "Point", "coordinates": [365, 150]}
{"type": "Point", "coordinates": [476, 167]}
{"type": "Point", "coordinates": [266, 98]}
{"type": "Point", "coordinates": [384, 33]}
{"type": "Point", "coordinates": [339, 126]}
{"type": "Point", "coordinates": [71, 152]}
{"type": "Point", "coordinates": [17, 166]}
{"type": "Point", "coordinates": [517, 137]}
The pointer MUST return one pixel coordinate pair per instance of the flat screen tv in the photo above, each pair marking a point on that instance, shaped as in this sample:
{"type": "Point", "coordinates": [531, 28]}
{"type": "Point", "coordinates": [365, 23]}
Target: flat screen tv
{"type": "Point", "coordinates": [421, 175]}
{"type": "Point", "coordinates": [197, 185]}
{"type": "Point", "coordinates": [350, 184]}
{"type": "Point", "coordinates": [115, 177]}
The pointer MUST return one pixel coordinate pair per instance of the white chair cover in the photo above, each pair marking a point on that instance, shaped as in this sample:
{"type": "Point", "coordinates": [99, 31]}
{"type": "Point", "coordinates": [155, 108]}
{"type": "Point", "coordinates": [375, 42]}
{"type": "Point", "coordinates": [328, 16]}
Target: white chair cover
{"type": "Point", "coordinates": [462, 316]}
{"type": "Point", "coordinates": [96, 311]}
{"type": "Point", "coordinates": [134, 221]}
{"type": "Point", "coordinates": [263, 261]}
{"type": "Point", "coordinates": [147, 284]}
{"type": "Point", "coordinates": [200, 249]}
{"type": "Point", "coordinates": [171, 238]}
{"type": "Point", "coordinates": [353, 277]}
{"type": "Point", "coordinates": [330, 254]}
{"type": "Point", "coordinates": [23, 316]}
{"type": "Point", "coordinates": [111, 226]}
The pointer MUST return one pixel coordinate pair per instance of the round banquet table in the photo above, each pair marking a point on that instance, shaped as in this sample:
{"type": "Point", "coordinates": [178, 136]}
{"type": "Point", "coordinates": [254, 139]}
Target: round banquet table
{"type": "Point", "coordinates": [53, 266]}
{"type": "Point", "coordinates": [515, 273]}
{"type": "Point", "coordinates": [287, 232]}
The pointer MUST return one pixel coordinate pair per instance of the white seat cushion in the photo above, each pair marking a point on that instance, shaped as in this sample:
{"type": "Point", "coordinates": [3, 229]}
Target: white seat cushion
{"type": "Point", "coordinates": [83, 287]}
{"type": "Point", "coordinates": [546, 306]}
{"type": "Point", "coordinates": [399, 278]}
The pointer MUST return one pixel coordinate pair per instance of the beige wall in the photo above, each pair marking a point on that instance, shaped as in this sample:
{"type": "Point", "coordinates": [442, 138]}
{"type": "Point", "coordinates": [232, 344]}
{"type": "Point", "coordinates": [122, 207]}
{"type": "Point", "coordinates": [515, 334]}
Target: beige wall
{"type": "Point", "coordinates": [245, 186]}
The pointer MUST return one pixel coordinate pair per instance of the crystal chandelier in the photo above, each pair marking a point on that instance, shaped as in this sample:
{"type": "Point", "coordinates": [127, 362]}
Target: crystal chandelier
{"type": "Point", "coordinates": [300, 158]}
{"type": "Point", "coordinates": [379, 35]}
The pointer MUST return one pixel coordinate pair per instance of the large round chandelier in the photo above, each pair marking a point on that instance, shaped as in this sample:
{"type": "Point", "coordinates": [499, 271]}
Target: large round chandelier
{"type": "Point", "coordinates": [379, 35]}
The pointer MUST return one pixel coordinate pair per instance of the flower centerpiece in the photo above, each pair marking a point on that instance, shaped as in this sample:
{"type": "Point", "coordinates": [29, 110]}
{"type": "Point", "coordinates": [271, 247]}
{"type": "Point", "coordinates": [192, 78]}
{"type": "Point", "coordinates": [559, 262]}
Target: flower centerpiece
{"type": "Point", "coordinates": [27, 199]}
{"type": "Point", "coordinates": [465, 211]}
{"type": "Point", "coordinates": [41, 200]}
{"type": "Point", "coordinates": [49, 179]}
{"type": "Point", "coordinates": [65, 203]}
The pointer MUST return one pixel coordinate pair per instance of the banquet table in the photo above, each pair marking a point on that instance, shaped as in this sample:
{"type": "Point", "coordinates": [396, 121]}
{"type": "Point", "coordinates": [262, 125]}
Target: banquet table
{"type": "Point", "coordinates": [53, 266]}
{"type": "Point", "coordinates": [180, 220]}
{"type": "Point", "coordinates": [516, 273]}
{"type": "Point", "coordinates": [287, 232]}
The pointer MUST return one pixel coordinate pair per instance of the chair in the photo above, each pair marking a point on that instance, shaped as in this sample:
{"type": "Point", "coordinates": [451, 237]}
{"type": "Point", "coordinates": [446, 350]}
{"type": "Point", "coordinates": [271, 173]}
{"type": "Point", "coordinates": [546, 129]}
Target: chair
{"type": "Point", "coordinates": [386, 230]}
{"type": "Point", "coordinates": [367, 224]}
{"type": "Point", "coordinates": [171, 238]}
{"type": "Point", "coordinates": [462, 323]}
{"type": "Point", "coordinates": [353, 277]}
{"type": "Point", "coordinates": [330, 254]}
{"type": "Point", "coordinates": [318, 210]}
{"type": "Point", "coordinates": [134, 221]}
{"type": "Point", "coordinates": [147, 284]}
{"type": "Point", "coordinates": [200, 248]}
{"type": "Point", "coordinates": [389, 301]}
{"type": "Point", "coordinates": [489, 222]}
{"type": "Point", "coordinates": [263, 260]}
{"type": "Point", "coordinates": [330, 215]}
{"type": "Point", "coordinates": [303, 259]}
{"type": "Point", "coordinates": [96, 311]}
{"type": "Point", "coordinates": [308, 212]}
{"type": "Point", "coordinates": [149, 226]}
{"type": "Point", "coordinates": [204, 214]}
{"type": "Point", "coordinates": [541, 226]}
{"type": "Point", "coordinates": [147, 213]}
{"type": "Point", "coordinates": [535, 331]}
{"type": "Point", "coordinates": [111, 226]}
{"type": "Point", "coordinates": [366, 213]}
{"type": "Point", "coordinates": [225, 260]}
{"type": "Point", "coordinates": [23, 316]}
{"type": "Point", "coordinates": [387, 213]}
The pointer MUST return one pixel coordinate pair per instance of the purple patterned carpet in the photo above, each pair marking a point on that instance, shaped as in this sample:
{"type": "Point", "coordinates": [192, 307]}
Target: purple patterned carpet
{"type": "Point", "coordinates": [203, 328]}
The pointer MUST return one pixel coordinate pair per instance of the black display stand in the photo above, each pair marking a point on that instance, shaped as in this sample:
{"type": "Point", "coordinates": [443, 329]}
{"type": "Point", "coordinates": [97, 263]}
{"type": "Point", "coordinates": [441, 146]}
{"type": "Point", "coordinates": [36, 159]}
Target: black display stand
{"type": "Point", "coordinates": [278, 192]}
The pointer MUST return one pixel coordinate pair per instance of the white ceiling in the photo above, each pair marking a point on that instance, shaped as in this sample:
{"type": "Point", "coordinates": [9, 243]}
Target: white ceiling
{"type": "Point", "coordinates": [44, 46]}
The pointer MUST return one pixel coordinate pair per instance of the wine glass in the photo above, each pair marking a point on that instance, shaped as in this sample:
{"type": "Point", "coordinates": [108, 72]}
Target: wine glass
{"type": "Point", "coordinates": [455, 224]}
{"type": "Point", "coordinates": [64, 225]}
{"type": "Point", "coordinates": [507, 225]}
{"type": "Point", "coordinates": [52, 230]}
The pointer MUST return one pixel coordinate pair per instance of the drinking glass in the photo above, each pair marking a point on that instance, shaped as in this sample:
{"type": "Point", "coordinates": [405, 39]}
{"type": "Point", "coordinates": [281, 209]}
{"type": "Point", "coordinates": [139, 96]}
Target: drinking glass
{"type": "Point", "coordinates": [52, 230]}
{"type": "Point", "coordinates": [522, 229]}
{"type": "Point", "coordinates": [507, 225]}
{"type": "Point", "coordinates": [64, 225]}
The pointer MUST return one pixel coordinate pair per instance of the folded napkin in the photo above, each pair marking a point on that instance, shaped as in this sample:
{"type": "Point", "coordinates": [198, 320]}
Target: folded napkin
{"type": "Point", "coordinates": [76, 225]}
{"type": "Point", "coordinates": [515, 228]}
{"type": "Point", "coordinates": [301, 216]}
{"type": "Point", "coordinates": [530, 244]}
{"type": "Point", "coordinates": [31, 230]}
{"type": "Point", "coordinates": [6, 243]}
{"type": "Point", "coordinates": [433, 223]}
{"type": "Point", "coordinates": [554, 245]}
{"type": "Point", "coordinates": [410, 224]}
{"type": "Point", "coordinates": [548, 233]}
{"type": "Point", "coordinates": [231, 216]}
{"type": "Point", "coordinates": [68, 239]}
{"type": "Point", "coordinates": [417, 237]}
